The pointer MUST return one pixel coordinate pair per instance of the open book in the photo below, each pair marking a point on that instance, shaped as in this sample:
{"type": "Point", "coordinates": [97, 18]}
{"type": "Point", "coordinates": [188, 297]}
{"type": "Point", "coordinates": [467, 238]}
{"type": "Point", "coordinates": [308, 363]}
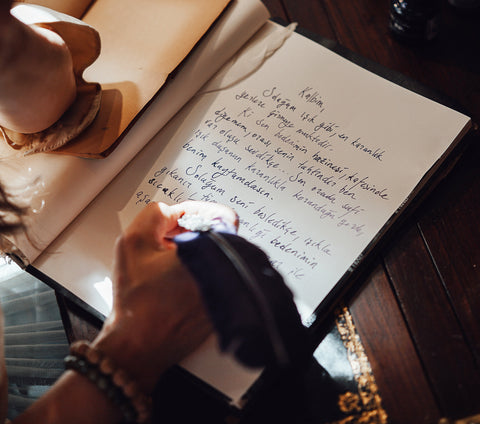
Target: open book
{"type": "Point", "coordinates": [318, 156]}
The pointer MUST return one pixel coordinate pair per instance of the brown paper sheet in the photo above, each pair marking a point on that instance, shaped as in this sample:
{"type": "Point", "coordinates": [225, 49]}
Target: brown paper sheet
{"type": "Point", "coordinates": [142, 43]}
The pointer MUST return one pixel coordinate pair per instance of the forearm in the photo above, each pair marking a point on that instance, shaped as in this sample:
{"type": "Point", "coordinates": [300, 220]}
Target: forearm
{"type": "Point", "coordinates": [36, 76]}
{"type": "Point", "coordinates": [73, 399]}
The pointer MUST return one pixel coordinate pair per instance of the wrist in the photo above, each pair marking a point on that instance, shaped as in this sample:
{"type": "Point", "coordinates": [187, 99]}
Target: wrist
{"type": "Point", "coordinates": [113, 382]}
{"type": "Point", "coordinates": [66, 402]}
{"type": "Point", "coordinates": [129, 351]}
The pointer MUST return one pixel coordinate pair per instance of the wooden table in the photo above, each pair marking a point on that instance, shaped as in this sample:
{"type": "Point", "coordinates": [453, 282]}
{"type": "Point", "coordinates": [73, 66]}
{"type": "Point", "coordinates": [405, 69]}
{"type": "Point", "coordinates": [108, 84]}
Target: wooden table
{"type": "Point", "coordinates": [418, 311]}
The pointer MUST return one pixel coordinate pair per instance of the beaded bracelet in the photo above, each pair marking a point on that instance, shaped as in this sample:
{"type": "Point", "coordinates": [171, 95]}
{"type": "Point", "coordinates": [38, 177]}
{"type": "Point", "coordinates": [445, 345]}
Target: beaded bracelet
{"type": "Point", "coordinates": [114, 383]}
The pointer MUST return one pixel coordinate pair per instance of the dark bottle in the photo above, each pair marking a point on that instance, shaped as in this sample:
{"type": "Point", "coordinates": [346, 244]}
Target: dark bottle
{"type": "Point", "coordinates": [415, 20]}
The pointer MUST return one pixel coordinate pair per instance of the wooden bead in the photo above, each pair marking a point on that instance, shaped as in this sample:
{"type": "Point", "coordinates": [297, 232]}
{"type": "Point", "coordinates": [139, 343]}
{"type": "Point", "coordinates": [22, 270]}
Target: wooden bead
{"type": "Point", "coordinates": [113, 382]}
{"type": "Point", "coordinates": [106, 366]}
{"type": "Point", "coordinates": [119, 378]}
{"type": "Point", "coordinates": [93, 356]}
{"type": "Point", "coordinates": [130, 389]}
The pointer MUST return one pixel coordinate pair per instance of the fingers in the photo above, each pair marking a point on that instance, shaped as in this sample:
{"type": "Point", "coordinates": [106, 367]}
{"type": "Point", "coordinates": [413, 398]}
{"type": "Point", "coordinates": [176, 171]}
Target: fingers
{"type": "Point", "coordinates": [152, 229]}
{"type": "Point", "coordinates": [148, 229]}
{"type": "Point", "coordinates": [158, 222]}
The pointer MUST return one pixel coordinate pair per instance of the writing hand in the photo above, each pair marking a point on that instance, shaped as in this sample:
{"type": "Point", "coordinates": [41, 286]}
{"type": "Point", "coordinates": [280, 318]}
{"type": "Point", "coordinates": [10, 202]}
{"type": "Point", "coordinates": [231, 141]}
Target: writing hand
{"type": "Point", "coordinates": [158, 316]}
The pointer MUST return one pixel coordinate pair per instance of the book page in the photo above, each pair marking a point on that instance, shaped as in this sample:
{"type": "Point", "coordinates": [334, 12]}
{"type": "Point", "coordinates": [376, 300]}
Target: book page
{"type": "Point", "coordinates": [58, 187]}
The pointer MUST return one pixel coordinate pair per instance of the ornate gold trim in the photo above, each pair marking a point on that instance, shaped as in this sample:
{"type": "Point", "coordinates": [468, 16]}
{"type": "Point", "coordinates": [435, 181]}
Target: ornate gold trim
{"type": "Point", "coordinates": [364, 407]}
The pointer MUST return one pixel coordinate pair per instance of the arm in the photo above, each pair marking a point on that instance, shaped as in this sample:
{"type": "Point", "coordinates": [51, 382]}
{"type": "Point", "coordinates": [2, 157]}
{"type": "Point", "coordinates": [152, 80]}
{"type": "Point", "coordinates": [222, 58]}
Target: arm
{"type": "Point", "coordinates": [73, 400]}
{"type": "Point", "coordinates": [157, 319]}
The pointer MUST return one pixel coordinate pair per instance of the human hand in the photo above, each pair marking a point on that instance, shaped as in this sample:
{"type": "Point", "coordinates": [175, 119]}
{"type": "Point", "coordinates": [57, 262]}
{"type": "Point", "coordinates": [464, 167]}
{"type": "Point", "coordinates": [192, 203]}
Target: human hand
{"type": "Point", "coordinates": [158, 316]}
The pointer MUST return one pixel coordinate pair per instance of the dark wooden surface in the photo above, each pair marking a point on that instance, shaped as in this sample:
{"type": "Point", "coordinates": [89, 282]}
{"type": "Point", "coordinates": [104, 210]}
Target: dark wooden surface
{"type": "Point", "coordinates": [418, 311]}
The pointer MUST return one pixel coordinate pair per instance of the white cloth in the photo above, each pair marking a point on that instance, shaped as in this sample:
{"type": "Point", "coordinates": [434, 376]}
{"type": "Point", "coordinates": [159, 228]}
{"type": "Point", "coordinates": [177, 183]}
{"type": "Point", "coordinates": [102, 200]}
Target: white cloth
{"type": "Point", "coordinates": [35, 340]}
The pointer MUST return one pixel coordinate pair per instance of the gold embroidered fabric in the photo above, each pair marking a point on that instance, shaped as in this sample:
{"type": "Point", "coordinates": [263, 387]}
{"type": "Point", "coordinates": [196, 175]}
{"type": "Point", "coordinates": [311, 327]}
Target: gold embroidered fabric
{"type": "Point", "coordinates": [364, 406]}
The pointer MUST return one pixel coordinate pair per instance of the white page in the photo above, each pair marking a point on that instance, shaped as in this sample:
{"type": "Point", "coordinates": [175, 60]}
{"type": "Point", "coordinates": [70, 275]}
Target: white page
{"type": "Point", "coordinates": [187, 160]}
{"type": "Point", "coordinates": [315, 160]}
{"type": "Point", "coordinates": [60, 187]}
